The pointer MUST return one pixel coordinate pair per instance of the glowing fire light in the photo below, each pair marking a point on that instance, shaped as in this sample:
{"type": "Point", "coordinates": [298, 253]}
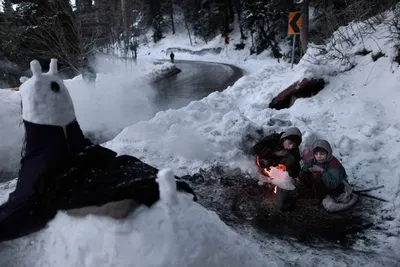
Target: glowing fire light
{"type": "Point", "coordinates": [277, 173]}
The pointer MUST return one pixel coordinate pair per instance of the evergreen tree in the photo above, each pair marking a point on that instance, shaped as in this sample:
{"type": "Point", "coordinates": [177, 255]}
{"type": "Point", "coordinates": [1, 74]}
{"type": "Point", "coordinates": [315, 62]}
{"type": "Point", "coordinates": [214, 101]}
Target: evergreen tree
{"type": "Point", "coordinates": [48, 29]}
{"type": "Point", "coordinates": [267, 22]}
{"type": "Point", "coordinates": [157, 27]}
{"type": "Point", "coordinates": [7, 7]}
{"type": "Point", "coordinates": [209, 19]}
{"type": "Point", "coordinates": [7, 28]}
{"type": "Point", "coordinates": [43, 28]}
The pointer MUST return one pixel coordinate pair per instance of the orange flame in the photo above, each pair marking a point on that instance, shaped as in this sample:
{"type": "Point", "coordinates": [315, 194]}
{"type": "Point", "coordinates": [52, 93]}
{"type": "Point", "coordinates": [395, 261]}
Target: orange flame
{"type": "Point", "coordinates": [280, 167]}
{"type": "Point", "coordinates": [267, 171]}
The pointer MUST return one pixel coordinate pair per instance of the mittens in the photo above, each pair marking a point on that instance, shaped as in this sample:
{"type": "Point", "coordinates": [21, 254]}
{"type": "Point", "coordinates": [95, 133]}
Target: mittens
{"type": "Point", "coordinates": [316, 168]}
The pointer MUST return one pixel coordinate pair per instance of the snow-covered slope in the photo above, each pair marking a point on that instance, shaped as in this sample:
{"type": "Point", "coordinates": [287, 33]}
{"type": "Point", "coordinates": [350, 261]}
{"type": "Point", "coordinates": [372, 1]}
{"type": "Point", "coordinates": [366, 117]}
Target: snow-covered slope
{"type": "Point", "coordinates": [174, 232]}
{"type": "Point", "coordinates": [356, 112]}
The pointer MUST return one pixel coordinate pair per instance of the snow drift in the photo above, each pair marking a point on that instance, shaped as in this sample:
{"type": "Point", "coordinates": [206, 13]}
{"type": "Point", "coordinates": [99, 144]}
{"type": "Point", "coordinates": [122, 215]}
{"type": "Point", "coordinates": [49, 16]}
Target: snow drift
{"type": "Point", "coordinates": [174, 232]}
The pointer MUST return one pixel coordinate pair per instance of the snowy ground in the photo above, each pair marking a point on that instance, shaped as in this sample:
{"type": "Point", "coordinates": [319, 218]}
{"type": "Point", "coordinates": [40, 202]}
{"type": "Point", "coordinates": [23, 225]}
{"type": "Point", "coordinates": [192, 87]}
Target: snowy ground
{"type": "Point", "coordinates": [356, 112]}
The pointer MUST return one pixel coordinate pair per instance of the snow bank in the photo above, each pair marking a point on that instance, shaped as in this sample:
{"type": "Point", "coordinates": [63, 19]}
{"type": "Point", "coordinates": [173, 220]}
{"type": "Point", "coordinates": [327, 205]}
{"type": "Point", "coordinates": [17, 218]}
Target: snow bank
{"type": "Point", "coordinates": [5, 189]}
{"type": "Point", "coordinates": [11, 133]}
{"type": "Point", "coordinates": [175, 232]}
{"type": "Point", "coordinates": [208, 131]}
{"type": "Point", "coordinates": [160, 70]}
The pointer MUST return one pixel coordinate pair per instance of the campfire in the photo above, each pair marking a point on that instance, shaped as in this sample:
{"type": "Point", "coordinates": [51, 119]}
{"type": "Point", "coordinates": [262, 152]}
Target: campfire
{"type": "Point", "coordinates": [276, 172]}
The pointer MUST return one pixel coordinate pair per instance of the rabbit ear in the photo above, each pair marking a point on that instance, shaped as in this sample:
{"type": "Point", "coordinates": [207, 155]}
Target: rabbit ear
{"type": "Point", "coordinates": [36, 68]}
{"type": "Point", "coordinates": [53, 66]}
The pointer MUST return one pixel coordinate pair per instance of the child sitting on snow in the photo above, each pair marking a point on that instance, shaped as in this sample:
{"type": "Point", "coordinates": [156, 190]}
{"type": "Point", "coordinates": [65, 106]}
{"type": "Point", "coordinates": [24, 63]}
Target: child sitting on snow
{"type": "Point", "coordinates": [322, 175]}
{"type": "Point", "coordinates": [280, 148]}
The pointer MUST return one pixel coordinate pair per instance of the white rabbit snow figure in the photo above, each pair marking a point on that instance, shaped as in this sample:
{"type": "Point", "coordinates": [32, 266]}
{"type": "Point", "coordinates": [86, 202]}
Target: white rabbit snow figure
{"type": "Point", "coordinates": [45, 99]}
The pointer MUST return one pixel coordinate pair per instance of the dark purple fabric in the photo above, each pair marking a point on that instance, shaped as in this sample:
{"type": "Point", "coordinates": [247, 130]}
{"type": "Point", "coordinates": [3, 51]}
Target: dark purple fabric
{"type": "Point", "coordinates": [47, 147]}
{"type": "Point", "coordinates": [85, 183]}
{"type": "Point", "coordinates": [59, 171]}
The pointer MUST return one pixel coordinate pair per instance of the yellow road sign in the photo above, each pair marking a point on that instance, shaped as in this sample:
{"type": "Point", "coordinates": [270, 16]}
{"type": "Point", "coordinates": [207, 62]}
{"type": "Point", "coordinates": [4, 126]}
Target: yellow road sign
{"type": "Point", "coordinates": [294, 22]}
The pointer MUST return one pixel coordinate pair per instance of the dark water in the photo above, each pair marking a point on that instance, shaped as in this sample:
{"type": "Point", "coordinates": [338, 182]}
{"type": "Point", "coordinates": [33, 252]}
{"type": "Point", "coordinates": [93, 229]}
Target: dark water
{"type": "Point", "coordinates": [196, 81]}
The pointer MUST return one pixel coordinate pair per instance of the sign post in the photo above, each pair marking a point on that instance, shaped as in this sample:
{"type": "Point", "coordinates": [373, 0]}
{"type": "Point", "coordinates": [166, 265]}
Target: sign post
{"type": "Point", "coordinates": [293, 48]}
{"type": "Point", "coordinates": [294, 29]}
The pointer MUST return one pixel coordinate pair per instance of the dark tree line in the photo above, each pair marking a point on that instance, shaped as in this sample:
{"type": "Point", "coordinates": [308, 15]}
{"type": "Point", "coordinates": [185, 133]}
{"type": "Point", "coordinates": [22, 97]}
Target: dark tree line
{"type": "Point", "coordinates": [45, 28]}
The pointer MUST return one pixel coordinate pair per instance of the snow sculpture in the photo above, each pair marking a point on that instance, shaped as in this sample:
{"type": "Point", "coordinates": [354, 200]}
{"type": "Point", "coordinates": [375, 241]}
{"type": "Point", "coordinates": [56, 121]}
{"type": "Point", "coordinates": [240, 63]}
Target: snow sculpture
{"type": "Point", "coordinates": [167, 186]}
{"type": "Point", "coordinates": [45, 98]}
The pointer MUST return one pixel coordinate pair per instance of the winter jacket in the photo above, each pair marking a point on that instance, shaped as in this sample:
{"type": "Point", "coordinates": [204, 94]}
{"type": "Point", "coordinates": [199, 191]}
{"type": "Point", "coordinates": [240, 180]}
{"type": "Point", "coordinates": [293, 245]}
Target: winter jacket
{"type": "Point", "coordinates": [334, 174]}
{"type": "Point", "coordinates": [266, 148]}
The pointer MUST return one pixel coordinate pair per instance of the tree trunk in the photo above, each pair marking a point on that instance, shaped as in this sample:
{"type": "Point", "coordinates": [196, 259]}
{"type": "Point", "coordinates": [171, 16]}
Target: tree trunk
{"type": "Point", "coordinates": [226, 18]}
{"type": "Point", "coordinates": [304, 26]}
{"type": "Point", "coordinates": [172, 16]}
{"type": "Point", "coordinates": [274, 47]}
{"type": "Point", "coordinates": [187, 28]}
{"type": "Point", "coordinates": [239, 14]}
{"type": "Point", "coordinates": [125, 27]}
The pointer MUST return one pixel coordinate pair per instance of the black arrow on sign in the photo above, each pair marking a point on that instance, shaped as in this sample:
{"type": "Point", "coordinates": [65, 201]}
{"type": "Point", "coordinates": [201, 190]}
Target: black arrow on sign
{"type": "Point", "coordinates": [293, 23]}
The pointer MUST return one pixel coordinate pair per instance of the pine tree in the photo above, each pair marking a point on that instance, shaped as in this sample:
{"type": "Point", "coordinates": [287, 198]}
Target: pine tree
{"type": "Point", "coordinates": [48, 29]}
{"type": "Point", "coordinates": [7, 27]}
{"type": "Point", "coordinates": [156, 19]}
{"type": "Point", "coordinates": [7, 7]}
{"type": "Point", "coordinates": [267, 22]}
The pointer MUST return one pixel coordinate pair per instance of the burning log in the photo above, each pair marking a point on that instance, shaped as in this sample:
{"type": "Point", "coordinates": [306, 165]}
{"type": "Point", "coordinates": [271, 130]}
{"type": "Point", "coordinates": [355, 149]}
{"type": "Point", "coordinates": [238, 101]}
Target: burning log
{"type": "Point", "coordinates": [302, 89]}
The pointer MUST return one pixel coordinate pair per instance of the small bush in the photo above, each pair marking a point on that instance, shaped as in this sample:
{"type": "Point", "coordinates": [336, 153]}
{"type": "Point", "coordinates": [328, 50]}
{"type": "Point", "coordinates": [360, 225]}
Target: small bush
{"type": "Point", "coordinates": [378, 55]}
{"type": "Point", "coordinates": [397, 58]}
{"type": "Point", "coordinates": [240, 46]}
{"type": "Point", "coordinates": [363, 52]}
{"type": "Point", "coordinates": [252, 50]}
